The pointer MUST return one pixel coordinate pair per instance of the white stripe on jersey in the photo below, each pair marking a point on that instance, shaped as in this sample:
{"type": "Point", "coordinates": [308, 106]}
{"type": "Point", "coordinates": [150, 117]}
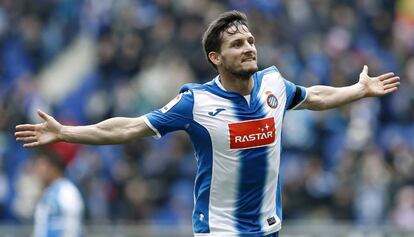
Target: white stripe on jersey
{"type": "Point", "coordinates": [273, 82]}
{"type": "Point", "coordinates": [223, 188]}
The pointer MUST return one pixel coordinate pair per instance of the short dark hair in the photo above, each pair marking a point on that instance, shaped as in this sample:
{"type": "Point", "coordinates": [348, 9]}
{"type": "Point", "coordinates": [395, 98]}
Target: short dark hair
{"type": "Point", "coordinates": [212, 37]}
{"type": "Point", "coordinates": [51, 157]}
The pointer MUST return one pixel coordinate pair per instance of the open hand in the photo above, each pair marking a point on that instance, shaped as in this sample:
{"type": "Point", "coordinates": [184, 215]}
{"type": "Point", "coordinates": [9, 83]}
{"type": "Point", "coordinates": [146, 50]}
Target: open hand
{"type": "Point", "coordinates": [39, 134]}
{"type": "Point", "coordinates": [380, 85]}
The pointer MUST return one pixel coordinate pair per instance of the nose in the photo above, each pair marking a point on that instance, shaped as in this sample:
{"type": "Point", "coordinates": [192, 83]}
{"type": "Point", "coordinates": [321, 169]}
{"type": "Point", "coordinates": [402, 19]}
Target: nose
{"type": "Point", "coordinates": [247, 47]}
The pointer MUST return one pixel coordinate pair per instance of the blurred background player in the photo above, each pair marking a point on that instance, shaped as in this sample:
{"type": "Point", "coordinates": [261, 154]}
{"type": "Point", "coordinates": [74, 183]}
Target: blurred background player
{"type": "Point", "coordinates": [60, 210]}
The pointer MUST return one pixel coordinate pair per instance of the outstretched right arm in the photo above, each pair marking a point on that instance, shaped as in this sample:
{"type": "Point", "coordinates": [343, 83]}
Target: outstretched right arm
{"type": "Point", "coordinates": [111, 131]}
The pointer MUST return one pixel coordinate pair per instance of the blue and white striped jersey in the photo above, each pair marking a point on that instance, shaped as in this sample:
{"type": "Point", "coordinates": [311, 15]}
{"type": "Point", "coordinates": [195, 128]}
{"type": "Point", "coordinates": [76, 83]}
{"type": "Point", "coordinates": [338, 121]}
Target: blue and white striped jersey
{"type": "Point", "coordinates": [59, 213]}
{"type": "Point", "coordinates": [237, 146]}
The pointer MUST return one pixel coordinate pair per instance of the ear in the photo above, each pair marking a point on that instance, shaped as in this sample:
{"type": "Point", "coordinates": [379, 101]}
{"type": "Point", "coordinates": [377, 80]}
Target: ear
{"type": "Point", "coordinates": [215, 58]}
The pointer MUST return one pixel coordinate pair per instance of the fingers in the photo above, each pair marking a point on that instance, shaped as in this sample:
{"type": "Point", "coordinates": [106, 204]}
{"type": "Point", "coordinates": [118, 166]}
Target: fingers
{"type": "Point", "coordinates": [33, 144]}
{"type": "Point", "coordinates": [26, 127]}
{"type": "Point", "coordinates": [27, 139]}
{"type": "Point", "coordinates": [385, 76]}
{"type": "Point", "coordinates": [393, 85]}
{"type": "Point", "coordinates": [391, 90]}
{"type": "Point", "coordinates": [391, 80]}
{"type": "Point", "coordinates": [31, 133]}
{"type": "Point", "coordinates": [24, 134]}
{"type": "Point", "coordinates": [43, 115]}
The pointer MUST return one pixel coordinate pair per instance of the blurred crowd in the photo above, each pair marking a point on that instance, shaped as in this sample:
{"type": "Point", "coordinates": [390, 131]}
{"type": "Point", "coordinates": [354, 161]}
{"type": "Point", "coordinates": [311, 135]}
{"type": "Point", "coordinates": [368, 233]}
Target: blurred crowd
{"type": "Point", "coordinates": [355, 163]}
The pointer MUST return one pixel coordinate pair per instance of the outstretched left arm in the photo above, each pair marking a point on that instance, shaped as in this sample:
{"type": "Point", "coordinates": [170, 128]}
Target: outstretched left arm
{"type": "Point", "coordinates": [326, 97]}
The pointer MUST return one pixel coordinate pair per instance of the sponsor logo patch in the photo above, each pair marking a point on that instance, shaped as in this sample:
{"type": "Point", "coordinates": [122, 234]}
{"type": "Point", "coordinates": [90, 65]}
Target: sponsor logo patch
{"type": "Point", "coordinates": [171, 104]}
{"type": "Point", "coordinates": [252, 133]}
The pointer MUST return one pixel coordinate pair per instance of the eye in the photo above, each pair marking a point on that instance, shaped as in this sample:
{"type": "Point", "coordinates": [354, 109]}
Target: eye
{"type": "Point", "coordinates": [237, 44]}
{"type": "Point", "coordinates": [251, 41]}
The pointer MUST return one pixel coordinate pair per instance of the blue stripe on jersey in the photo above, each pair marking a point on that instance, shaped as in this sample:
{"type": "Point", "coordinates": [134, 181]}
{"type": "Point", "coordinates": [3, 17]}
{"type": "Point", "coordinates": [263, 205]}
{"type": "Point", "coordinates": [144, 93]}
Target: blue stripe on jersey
{"type": "Point", "coordinates": [54, 233]}
{"type": "Point", "coordinates": [204, 154]}
{"type": "Point", "coordinates": [253, 167]}
{"type": "Point", "coordinates": [253, 172]}
{"type": "Point", "coordinates": [52, 199]}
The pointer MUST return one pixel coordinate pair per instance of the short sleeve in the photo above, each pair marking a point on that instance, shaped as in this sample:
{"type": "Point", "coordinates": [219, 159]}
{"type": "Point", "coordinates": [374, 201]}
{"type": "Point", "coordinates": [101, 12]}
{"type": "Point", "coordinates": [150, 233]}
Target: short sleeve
{"type": "Point", "coordinates": [295, 95]}
{"type": "Point", "coordinates": [176, 115]}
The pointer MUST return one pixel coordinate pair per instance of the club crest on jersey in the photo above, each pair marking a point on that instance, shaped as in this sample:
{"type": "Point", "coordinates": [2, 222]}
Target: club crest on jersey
{"type": "Point", "coordinates": [171, 104]}
{"type": "Point", "coordinates": [271, 100]}
{"type": "Point", "coordinates": [252, 133]}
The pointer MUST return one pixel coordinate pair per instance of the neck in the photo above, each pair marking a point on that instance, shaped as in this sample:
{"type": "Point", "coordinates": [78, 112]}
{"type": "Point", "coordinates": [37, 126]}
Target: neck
{"type": "Point", "coordinates": [237, 84]}
{"type": "Point", "coordinates": [54, 175]}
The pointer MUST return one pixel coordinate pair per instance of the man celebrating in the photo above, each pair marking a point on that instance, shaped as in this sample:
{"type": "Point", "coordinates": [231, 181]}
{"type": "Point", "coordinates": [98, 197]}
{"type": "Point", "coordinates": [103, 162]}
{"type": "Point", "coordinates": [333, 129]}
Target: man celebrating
{"type": "Point", "coordinates": [234, 122]}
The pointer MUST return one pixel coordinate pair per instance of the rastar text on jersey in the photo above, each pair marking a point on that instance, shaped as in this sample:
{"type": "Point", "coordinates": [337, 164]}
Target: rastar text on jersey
{"type": "Point", "coordinates": [254, 137]}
